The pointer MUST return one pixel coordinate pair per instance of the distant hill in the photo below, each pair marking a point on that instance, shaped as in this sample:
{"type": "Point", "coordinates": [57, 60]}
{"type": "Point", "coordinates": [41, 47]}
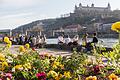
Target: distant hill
{"type": "Point", "coordinates": [23, 28]}
{"type": "Point", "coordinates": [52, 24]}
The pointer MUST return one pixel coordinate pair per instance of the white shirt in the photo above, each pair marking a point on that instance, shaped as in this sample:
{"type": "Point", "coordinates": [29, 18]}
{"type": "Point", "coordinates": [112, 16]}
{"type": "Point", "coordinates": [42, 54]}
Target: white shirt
{"type": "Point", "coordinates": [34, 40]}
{"type": "Point", "coordinates": [67, 40]}
{"type": "Point", "coordinates": [60, 39]}
{"type": "Point", "coordinates": [75, 39]}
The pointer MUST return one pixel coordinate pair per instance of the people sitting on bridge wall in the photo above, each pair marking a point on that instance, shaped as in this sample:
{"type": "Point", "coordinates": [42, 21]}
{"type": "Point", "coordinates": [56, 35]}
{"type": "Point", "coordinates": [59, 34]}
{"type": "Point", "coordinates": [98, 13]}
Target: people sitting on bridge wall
{"type": "Point", "coordinates": [68, 41]}
{"type": "Point", "coordinates": [76, 40]}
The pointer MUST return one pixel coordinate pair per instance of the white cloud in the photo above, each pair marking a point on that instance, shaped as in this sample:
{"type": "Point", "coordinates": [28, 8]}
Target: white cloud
{"type": "Point", "coordinates": [13, 21]}
{"type": "Point", "coordinates": [16, 15]}
{"type": "Point", "coordinates": [21, 3]}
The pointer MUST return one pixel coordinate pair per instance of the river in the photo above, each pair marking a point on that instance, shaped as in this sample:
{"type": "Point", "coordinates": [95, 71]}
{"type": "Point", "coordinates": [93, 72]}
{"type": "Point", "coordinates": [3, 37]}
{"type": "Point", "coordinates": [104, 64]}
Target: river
{"type": "Point", "coordinates": [107, 42]}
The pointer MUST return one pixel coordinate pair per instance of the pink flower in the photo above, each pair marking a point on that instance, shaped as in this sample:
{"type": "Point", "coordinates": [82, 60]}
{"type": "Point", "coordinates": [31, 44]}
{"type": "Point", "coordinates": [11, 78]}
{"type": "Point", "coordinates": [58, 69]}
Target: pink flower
{"type": "Point", "coordinates": [41, 76]}
{"type": "Point", "coordinates": [9, 75]}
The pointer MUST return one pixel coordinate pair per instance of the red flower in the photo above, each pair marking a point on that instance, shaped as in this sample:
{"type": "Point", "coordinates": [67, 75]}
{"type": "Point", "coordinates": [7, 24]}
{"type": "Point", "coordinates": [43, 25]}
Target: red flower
{"type": "Point", "coordinates": [33, 49]}
{"type": "Point", "coordinates": [97, 69]}
{"type": "Point", "coordinates": [41, 76]}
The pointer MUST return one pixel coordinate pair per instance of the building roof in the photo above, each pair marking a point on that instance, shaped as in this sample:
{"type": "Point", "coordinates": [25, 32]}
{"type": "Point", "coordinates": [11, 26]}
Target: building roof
{"type": "Point", "coordinates": [73, 26]}
{"type": "Point", "coordinates": [5, 30]}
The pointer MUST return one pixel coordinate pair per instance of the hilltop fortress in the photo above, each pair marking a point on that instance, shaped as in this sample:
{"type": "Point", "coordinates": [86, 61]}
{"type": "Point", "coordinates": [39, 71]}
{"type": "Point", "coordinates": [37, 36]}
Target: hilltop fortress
{"type": "Point", "coordinates": [103, 12]}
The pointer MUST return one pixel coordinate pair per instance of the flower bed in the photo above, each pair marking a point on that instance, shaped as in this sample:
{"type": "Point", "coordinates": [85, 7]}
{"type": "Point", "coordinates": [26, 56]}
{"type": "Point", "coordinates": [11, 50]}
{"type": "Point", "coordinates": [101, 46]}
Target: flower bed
{"type": "Point", "coordinates": [28, 64]}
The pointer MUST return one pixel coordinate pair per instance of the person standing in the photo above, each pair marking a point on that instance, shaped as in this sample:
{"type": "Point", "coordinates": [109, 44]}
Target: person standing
{"type": "Point", "coordinates": [33, 41]}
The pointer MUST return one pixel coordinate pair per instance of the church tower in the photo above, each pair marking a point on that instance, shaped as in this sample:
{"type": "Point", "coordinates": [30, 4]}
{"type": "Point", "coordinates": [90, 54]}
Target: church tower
{"type": "Point", "coordinates": [80, 5]}
{"type": "Point", "coordinates": [109, 7]}
{"type": "Point", "coordinates": [92, 5]}
{"type": "Point", "coordinates": [75, 7]}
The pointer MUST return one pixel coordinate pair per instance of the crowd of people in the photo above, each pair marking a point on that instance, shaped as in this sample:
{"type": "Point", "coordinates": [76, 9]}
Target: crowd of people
{"type": "Point", "coordinates": [76, 40]}
{"type": "Point", "coordinates": [39, 41]}
{"type": "Point", "coordinates": [34, 41]}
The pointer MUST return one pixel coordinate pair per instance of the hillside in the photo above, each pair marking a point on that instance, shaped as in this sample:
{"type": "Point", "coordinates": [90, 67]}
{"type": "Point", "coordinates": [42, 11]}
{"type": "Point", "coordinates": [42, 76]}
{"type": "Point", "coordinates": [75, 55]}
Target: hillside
{"type": "Point", "coordinates": [62, 22]}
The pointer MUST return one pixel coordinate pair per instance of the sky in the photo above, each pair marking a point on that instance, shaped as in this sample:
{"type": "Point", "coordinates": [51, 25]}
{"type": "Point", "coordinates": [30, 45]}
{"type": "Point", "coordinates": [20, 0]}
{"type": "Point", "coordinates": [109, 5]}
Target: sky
{"type": "Point", "coordinates": [14, 13]}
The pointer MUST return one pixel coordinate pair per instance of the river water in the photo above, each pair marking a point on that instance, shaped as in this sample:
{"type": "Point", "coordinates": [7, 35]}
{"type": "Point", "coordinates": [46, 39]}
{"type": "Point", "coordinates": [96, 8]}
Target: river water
{"type": "Point", "coordinates": [107, 42]}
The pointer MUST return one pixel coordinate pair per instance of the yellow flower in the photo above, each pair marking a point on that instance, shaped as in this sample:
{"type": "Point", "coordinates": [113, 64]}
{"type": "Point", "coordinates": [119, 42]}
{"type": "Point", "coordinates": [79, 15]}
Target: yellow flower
{"type": "Point", "coordinates": [27, 46]}
{"type": "Point", "coordinates": [56, 63]}
{"type": "Point", "coordinates": [4, 64]}
{"type": "Point", "coordinates": [6, 39]}
{"type": "Point", "coordinates": [18, 67]}
{"type": "Point", "coordinates": [54, 66]}
{"type": "Point", "coordinates": [2, 57]}
{"type": "Point", "coordinates": [61, 66]}
{"type": "Point", "coordinates": [27, 65]}
{"type": "Point", "coordinates": [52, 74]}
{"type": "Point", "coordinates": [9, 42]}
{"type": "Point", "coordinates": [21, 49]}
{"type": "Point", "coordinates": [116, 26]}
{"type": "Point", "coordinates": [8, 45]}
{"type": "Point", "coordinates": [113, 77]}
{"type": "Point", "coordinates": [91, 78]}
{"type": "Point", "coordinates": [67, 74]}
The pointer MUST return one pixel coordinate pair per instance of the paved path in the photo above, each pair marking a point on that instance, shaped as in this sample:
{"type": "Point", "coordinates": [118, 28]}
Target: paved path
{"type": "Point", "coordinates": [55, 52]}
{"type": "Point", "coordinates": [15, 48]}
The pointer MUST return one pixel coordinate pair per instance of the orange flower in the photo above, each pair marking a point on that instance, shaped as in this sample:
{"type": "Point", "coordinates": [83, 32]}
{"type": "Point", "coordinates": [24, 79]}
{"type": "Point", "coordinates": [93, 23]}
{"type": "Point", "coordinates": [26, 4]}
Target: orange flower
{"type": "Point", "coordinates": [59, 77]}
{"type": "Point", "coordinates": [113, 77]}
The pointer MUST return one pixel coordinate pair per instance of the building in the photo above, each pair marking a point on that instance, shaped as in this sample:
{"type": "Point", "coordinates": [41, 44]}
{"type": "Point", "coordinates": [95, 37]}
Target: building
{"type": "Point", "coordinates": [68, 30]}
{"type": "Point", "coordinates": [36, 30]}
{"type": "Point", "coordinates": [92, 11]}
{"type": "Point", "coordinates": [72, 29]}
{"type": "Point", "coordinates": [104, 30]}
{"type": "Point", "coordinates": [6, 32]}
{"type": "Point", "coordinates": [58, 32]}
